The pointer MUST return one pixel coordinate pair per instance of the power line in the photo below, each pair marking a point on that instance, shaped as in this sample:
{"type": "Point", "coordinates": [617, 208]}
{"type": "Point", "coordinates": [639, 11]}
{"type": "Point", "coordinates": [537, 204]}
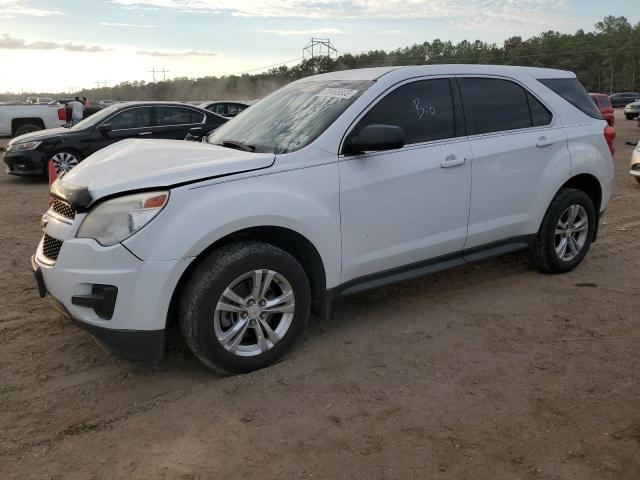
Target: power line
{"type": "Point", "coordinates": [268, 66]}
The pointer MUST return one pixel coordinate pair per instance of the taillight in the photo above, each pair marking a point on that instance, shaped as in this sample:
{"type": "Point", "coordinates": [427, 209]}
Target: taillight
{"type": "Point", "coordinates": [62, 114]}
{"type": "Point", "coordinates": [610, 136]}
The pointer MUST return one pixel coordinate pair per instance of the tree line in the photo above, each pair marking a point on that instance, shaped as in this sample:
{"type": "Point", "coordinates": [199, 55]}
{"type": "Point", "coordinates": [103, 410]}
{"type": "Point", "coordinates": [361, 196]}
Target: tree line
{"type": "Point", "coordinates": [605, 60]}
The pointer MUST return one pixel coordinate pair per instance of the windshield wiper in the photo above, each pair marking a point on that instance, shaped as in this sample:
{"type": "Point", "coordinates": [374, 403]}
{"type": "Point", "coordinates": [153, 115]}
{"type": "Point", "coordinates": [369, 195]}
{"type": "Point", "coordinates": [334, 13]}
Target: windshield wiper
{"type": "Point", "coordinates": [237, 145]}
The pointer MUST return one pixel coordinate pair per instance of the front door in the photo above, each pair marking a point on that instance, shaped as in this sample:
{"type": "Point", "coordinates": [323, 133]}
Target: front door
{"type": "Point", "coordinates": [402, 207]}
{"type": "Point", "coordinates": [134, 122]}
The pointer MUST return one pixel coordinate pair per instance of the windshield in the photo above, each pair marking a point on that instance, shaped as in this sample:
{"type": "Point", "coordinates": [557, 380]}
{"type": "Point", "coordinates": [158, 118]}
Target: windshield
{"type": "Point", "coordinates": [290, 118]}
{"type": "Point", "coordinates": [96, 118]}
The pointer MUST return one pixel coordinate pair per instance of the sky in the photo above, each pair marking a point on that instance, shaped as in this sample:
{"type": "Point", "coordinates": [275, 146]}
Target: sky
{"type": "Point", "coordinates": [65, 45]}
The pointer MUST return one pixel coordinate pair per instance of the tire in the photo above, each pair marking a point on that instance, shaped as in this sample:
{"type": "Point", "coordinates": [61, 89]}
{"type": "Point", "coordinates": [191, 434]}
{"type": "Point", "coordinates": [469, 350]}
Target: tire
{"type": "Point", "coordinates": [638, 179]}
{"type": "Point", "coordinates": [629, 117]}
{"type": "Point", "coordinates": [26, 128]}
{"type": "Point", "coordinates": [543, 255]}
{"type": "Point", "coordinates": [64, 160]}
{"type": "Point", "coordinates": [204, 321]}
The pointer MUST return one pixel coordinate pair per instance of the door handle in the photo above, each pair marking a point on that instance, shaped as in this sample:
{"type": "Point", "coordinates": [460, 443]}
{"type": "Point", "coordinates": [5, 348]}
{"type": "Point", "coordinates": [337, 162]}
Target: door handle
{"type": "Point", "coordinates": [145, 133]}
{"type": "Point", "coordinates": [452, 161]}
{"type": "Point", "coordinates": [544, 141]}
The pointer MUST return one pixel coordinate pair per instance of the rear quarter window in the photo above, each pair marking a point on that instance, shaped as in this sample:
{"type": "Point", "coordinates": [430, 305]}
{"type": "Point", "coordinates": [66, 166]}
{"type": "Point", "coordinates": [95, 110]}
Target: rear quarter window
{"type": "Point", "coordinates": [573, 92]}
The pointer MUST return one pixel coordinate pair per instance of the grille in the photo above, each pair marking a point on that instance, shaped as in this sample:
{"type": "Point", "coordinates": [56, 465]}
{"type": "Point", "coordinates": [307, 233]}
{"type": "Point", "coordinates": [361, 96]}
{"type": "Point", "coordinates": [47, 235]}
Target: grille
{"type": "Point", "coordinates": [51, 247]}
{"type": "Point", "coordinates": [63, 209]}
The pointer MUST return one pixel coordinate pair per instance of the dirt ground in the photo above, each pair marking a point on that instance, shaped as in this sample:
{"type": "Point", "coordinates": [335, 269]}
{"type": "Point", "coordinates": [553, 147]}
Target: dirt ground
{"type": "Point", "coordinates": [491, 371]}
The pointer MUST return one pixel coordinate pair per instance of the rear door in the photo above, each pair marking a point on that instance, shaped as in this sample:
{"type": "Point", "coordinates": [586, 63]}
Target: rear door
{"type": "Point", "coordinates": [133, 122]}
{"type": "Point", "coordinates": [519, 153]}
{"type": "Point", "coordinates": [174, 122]}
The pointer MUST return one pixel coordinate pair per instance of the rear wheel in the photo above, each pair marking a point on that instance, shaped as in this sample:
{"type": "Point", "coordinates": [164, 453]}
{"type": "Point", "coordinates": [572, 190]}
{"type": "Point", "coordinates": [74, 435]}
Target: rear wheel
{"type": "Point", "coordinates": [244, 306]}
{"type": "Point", "coordinates": [565, 234]}
{"type": "Point", "coordinates": [27, 128]}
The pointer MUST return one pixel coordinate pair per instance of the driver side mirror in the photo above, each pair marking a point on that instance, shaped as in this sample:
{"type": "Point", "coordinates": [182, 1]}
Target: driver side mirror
{"type": "Point", "coordinates": [105, 129]}
{"type": "Point", "coordinates": [375, 138]}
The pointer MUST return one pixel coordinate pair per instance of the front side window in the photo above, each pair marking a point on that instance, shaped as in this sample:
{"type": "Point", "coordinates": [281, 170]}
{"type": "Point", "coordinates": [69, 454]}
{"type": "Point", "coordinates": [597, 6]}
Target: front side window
{"type": "Point", "coordinates": [131, 118]}
{"type": "Point", "coordinates": [424, 110]}
{"type": "Point", "coordinates": [292, 117]}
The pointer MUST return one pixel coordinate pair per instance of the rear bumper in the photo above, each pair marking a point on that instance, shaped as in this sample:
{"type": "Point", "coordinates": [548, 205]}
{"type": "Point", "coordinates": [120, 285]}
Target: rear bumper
{"type": "Point", "coordinates": [28, 163]}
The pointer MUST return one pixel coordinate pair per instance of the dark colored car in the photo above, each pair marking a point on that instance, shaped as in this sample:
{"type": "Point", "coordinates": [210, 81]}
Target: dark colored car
{"type": "Point", "coordinates": [29, 154]}
{"type": "Point", "coordinates": [226, 108]}
{"type": "Point", "coordinates": [622, 99]}
{"type": "Point", "coordinates": [603, 103]}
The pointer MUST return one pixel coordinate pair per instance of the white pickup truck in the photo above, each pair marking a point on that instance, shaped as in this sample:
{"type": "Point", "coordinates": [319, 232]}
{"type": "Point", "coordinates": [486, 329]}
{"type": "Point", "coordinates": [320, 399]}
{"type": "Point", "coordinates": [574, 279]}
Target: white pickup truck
{"type": "Point", "coordinates": [17, 120]}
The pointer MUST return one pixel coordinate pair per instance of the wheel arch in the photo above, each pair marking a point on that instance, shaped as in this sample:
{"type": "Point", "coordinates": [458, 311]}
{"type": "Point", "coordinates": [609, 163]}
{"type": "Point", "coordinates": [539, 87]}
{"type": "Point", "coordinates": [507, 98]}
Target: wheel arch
{"type": "Point", "coordinates": [294, 243]}
{"type": "Point", "coordinates": [16, 123]}
{"type": "Point", "coordinates": [590, 185]}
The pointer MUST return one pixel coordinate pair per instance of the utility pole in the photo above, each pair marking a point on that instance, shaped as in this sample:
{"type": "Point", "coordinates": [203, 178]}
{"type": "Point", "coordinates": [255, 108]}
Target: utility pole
{"type": "Point", "coordinates": [164, 72]}
{"type": "Point", "coordinates": [319, 47]}
{"type": "Point", "coordinates": [611, 75]}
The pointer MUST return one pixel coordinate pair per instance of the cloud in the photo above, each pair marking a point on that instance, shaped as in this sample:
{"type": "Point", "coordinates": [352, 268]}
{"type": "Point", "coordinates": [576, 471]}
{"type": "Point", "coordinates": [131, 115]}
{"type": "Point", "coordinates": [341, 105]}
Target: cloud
{"type": "Point", "coordinates": [127, 25]}
{"type": "Point", "coordinates": [11, 8]}
{"type": "Point", "coordinates": [7, 42]}
{"type": "Point", "coordinates": [177, 53]}
{"type": "Point", "coordinates": [317, 31]}
{"type": "Point", "coordinates": [490, 14]}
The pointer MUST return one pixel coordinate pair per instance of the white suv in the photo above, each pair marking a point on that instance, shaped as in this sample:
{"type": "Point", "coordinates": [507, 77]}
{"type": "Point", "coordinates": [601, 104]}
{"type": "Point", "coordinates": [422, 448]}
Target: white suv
{"type": "Point", "coordinates": [333, 184]}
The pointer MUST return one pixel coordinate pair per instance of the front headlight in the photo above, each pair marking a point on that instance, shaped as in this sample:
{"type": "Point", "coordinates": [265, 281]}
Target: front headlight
{"type": "Point", "coordinates": [115, 220]}
{"type": "Point", "coordinates": [21, 147]}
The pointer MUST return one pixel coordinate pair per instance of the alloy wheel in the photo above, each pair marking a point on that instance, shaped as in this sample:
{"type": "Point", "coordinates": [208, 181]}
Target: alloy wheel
{"type": "Point", "coordinates": [571, 232]}
{"type": "Point", "coordinates": [63, 162]}
{"type": "Point", "coordinates": [254, 313]}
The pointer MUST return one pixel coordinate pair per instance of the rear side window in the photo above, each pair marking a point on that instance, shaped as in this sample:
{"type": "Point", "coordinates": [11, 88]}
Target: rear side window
{"type": "Point", "coordinates": [604, 102]}
{"type": "Point", "coordinates": [424, 110]}
{"type": "Point", "coordinates": [573, 92]}
{"type": "Point", "coordinates": [494, 105]}
{"type": "Point", "coordinates": [177, 116]}
{"type": "Point", "coordinates": [540, 116]}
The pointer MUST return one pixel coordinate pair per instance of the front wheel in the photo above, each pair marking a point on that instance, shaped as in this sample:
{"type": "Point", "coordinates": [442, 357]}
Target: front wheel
{"type": "Point", "coordinates": [565, 234]}
{"type": "Point", "coordinates": [629, 117]}
{"type": "Point", "coordinates": [244, 306]}
{"type": "Point", "coordinates": [65, 160]}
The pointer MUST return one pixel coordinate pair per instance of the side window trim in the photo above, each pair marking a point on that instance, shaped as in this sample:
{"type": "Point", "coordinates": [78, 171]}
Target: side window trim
{"type": "Point", "coordinates": [381, 96]}
{"type": "Point", "coordinates": [470, 130]}
{"type": "Point", "coordinates": [460, 127]}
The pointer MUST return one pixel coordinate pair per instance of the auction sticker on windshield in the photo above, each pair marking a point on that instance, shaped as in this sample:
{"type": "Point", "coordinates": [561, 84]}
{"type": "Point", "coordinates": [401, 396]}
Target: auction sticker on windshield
{"type": "Point", "coordinates": [337, 92]}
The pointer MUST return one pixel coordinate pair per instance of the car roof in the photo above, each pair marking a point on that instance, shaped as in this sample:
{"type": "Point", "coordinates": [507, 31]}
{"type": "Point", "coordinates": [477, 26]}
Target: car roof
{"type": "Point", "coordinates": [213, 102]}
{"type": "Point", "coordinates": [154, 103]}
{"type": "Point", "coordinates": [444, 69]}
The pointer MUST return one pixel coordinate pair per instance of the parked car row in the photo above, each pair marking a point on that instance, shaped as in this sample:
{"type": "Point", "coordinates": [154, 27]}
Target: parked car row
{"type": "Point", "coordinates": [334, 184]}
{"type": "Point", "coordinates": [29, 154]}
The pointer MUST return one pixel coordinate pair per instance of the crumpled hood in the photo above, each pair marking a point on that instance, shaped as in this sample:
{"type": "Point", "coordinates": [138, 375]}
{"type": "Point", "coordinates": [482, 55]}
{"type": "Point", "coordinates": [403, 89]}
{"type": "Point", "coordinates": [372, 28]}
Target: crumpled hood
{"type": "Point", "coordinates": [139, 164]}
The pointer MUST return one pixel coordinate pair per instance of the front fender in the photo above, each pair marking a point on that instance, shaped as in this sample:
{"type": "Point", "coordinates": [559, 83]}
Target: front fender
{"type": "Point", "coordinates": [303, 200]}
